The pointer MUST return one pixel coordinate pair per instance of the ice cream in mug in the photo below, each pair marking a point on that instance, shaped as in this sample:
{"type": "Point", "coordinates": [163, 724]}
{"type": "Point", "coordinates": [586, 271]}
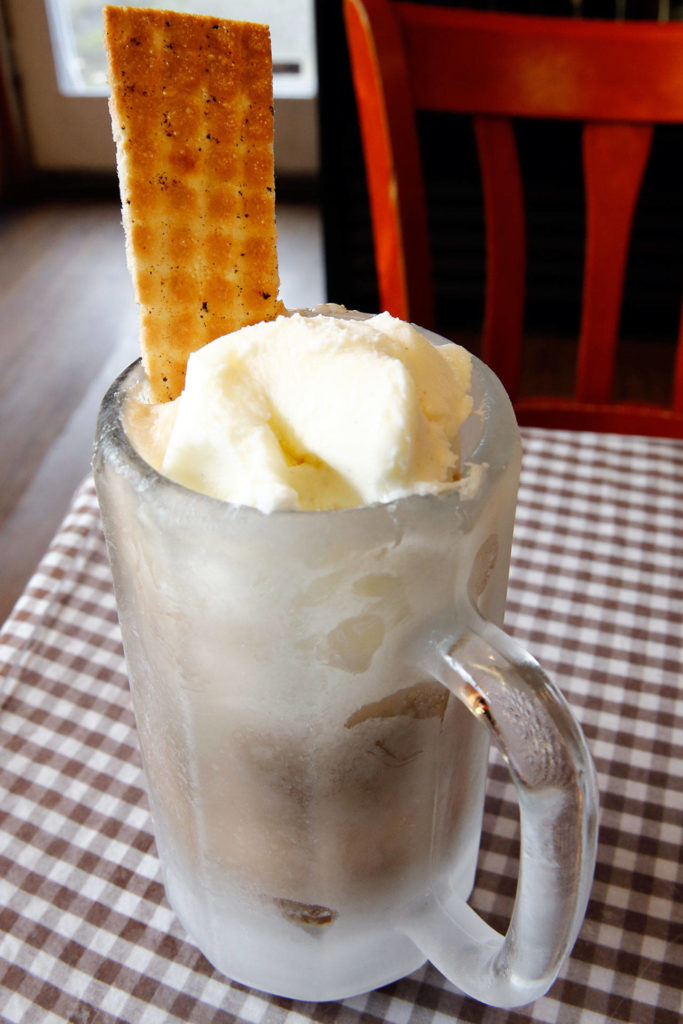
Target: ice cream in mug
{"type": "Point", "coordinates": [316, 663]}
{"type": "Point", "coordinates": [318, 409]}
{"type": "Point", "coordinates": [309, 525]}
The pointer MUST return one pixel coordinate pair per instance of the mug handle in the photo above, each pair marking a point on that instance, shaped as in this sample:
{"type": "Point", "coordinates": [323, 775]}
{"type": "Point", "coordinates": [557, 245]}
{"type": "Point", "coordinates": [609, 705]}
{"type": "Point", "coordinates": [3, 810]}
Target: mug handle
{"type": "Point", "coordinates": [551, 767]}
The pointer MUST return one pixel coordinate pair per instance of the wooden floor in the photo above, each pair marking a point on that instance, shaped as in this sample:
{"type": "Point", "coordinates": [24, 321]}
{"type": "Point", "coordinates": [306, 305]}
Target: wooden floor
{"type": "Point", "coordinates": [68, 326]}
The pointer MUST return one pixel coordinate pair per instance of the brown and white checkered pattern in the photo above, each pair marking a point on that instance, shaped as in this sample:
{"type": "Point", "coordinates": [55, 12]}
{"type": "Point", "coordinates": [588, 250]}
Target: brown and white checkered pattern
{"type": "Point", "coordinates": [596, 592]}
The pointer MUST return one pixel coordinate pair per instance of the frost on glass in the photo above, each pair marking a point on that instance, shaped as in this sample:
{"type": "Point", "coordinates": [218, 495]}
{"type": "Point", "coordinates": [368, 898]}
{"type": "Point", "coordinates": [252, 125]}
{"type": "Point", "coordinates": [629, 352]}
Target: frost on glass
{"type": "Point", "coordinates": [315, 693]}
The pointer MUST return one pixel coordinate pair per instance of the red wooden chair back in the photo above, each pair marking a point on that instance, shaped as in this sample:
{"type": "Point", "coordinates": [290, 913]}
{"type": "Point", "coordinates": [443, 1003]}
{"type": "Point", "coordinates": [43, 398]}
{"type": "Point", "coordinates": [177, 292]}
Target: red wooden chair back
{"type": "Point", "coordinates": [618, 78]}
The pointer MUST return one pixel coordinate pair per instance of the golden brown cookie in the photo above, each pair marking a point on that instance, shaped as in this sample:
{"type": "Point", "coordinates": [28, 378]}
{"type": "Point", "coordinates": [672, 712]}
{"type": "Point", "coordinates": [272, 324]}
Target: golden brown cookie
{"type": "Point", "coordinates": [192, 115]}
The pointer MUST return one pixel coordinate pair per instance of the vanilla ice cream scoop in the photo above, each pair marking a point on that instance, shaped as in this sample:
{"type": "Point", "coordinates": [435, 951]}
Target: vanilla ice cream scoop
{"type": "Point", "coordinates": [316, 412]}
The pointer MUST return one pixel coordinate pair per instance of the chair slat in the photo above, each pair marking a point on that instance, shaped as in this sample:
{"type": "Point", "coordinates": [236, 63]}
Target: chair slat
{"type": "Point", "coordinates": [678, 373]}
{"type": "Point", "coordinates": [395, 179]}
{"type": "Point", "coordinates": [523, 66]}
{"type": "Point", "coordinates": [614, 157]}
{"type": "Point", "coordinates": [505, 248]}
{"type": "Point", "coordinates": [617, 418]}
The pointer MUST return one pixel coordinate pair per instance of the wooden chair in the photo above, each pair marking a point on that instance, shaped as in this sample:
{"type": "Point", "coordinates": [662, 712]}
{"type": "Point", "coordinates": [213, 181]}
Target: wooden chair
{"type": "Point", "coordinates": [618, 78]}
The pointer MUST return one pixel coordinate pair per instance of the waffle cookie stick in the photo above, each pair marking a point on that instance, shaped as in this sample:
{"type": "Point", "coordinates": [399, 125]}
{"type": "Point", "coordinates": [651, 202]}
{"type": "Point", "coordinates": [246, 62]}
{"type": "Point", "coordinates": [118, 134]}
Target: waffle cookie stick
{"type": "Point", "coordinates": [192, 115]}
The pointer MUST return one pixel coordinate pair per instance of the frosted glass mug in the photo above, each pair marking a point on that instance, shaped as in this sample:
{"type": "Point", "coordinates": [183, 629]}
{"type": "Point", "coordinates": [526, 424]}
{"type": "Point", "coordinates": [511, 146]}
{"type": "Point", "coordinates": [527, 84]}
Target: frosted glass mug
{"type": "Point", "coordinates": [315, 693]}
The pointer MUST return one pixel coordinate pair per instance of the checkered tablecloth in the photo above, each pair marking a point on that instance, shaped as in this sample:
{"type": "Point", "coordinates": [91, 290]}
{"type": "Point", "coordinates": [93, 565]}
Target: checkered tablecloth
{"type": "Point", "coordinates": [596, 592]}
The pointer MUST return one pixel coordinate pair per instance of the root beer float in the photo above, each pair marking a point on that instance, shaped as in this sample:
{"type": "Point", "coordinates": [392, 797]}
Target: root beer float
{"type": "Point", "coordinates": [294, 601]}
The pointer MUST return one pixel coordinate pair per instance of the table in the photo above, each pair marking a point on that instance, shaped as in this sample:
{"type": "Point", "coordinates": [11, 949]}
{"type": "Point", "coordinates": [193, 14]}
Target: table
{"type": "Point", "coordinates": [596, 592]}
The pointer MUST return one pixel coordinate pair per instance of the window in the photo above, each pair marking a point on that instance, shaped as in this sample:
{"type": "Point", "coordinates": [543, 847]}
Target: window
{"type": "Point", "coordinates": [76, 33]}
{"type": "Point", "coordinates": [60, 64]}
